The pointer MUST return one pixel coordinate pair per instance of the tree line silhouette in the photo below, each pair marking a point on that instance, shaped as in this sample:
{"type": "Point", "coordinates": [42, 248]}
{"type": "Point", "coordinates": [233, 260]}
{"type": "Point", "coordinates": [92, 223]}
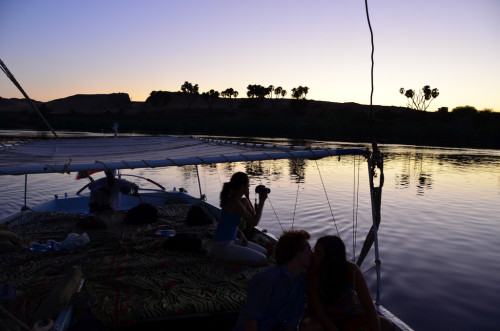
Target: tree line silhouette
{"type": "Point", "coordinates": [254, 91]}
{"type": "Point", "coordinates": [307, 119]}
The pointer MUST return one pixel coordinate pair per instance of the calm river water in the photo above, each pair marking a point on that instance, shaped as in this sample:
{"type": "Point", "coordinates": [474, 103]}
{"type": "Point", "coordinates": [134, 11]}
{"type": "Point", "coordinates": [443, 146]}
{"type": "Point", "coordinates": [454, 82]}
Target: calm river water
{"type": "Point", "coordinates": [439, 235]}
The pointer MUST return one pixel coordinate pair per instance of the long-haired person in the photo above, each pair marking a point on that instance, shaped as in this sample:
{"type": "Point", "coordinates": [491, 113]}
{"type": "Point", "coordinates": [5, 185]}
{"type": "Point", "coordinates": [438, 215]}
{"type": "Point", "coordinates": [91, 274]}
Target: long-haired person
{"type": "Point", "coordinates": [337, 294]}
{"type": "Point", "coordinates": [235, 207]}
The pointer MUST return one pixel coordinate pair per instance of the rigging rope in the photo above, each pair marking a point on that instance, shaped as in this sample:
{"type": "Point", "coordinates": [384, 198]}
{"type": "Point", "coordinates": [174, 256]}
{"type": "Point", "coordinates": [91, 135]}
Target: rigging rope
{"type": "Point", "coordinates": [14, 81]}
{"type": "Point", "coordinates": [373, 63]}
{"type": "Point", "coordinates": [272, 207]}
{"type": "Point", "coordinates": [296, 199]}
{"type": "Point", "coordinates": [326, 194]}
{"type": "Point", "coordinates": [204, 178]}
{"type": "Point", "coordinates": [14, 319]}
{"type": "Point", "coordinates": [354, 224]}
{"type": "Point", "coordinates": [355, 206]}
{"type": "Point", "coordinates": [269, 199]}
{"type": "Point", "coordinates": [374, 192]}
{"type": "Point", "coordinates": [218, 176]}
{"type": "Point", "coordinates": [370, 269]}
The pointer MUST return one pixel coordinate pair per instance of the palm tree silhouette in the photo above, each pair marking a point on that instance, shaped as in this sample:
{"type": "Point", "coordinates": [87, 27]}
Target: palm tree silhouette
{"type": "Point", "coordinates": [229, 94]}
{"type": "Point", "coordinates": [190, 91]}
{"type": "Point", "coordinates": [210, 97]}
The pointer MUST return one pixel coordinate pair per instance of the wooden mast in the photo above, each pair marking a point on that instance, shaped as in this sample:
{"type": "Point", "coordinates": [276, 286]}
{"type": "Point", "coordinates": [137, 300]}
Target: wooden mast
{"type": "Point", "coordinates": [374, 161]}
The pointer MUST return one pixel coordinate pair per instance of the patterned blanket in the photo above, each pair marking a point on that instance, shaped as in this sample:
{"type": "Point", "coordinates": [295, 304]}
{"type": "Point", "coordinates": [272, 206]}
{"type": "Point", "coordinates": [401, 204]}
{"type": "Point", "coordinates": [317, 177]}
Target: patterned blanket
{"type": "Point", "coordinates": [125, 267]}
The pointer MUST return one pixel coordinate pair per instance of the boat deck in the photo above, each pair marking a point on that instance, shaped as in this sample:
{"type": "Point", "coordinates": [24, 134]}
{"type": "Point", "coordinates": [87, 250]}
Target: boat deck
{"type": "Point", "coordinates": [134, 279]}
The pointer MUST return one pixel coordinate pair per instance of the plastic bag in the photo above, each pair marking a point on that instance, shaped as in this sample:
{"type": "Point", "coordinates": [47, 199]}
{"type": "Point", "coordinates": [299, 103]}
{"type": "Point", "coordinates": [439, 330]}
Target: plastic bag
{"type": "Point", "coordinates": [75, 240]}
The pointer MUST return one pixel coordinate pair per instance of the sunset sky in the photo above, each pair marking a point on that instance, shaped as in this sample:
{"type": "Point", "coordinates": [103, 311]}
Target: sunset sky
{"type": "Point", "coordinates": [58, 48]}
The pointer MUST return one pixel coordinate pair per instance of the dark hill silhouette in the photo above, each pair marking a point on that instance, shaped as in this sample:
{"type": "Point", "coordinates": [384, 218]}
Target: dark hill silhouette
{"type": "Point", "coordinates": [14, 104]}
{"type": "Point", "coordinates": [89, 102]}
{"type": "Point", "coordinates": [114, 102]}
{"type": "Point", "coordinates": [284, 118]}
{"type": "Point", "coordinates": [80, 103]}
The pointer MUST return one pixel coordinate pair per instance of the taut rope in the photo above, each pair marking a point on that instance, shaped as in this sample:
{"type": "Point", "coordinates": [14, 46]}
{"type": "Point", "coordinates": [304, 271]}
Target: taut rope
{"type": "Point", "coordinates": [13, 79]}
{"type": "Point", "coordinates": [326, 194]}
{"type": "Point", "coordinates": [355, 204]}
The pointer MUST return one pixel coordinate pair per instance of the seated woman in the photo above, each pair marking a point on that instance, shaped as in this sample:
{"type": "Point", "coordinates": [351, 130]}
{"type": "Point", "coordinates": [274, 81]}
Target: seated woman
{"type": "Point", "coordinates": [337, 294]}
{"type": "Point", "coordinates": [226, 247]}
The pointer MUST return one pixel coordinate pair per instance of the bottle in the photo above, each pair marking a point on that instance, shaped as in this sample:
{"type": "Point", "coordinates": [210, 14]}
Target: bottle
{"type": "Point", "coordinates": [8, 292]}
{"type": "Point", "coordinates": [55, 245]}
{"type": "Point", "coordinates": [34, 246]}
{"type": "Point", "coordinates": [165, 233]}
{"type": "Point", "coordinates": [44, 325]}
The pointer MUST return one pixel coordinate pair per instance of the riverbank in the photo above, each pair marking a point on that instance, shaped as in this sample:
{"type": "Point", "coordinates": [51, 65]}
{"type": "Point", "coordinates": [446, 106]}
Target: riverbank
{"type": "Point", "coordinates": [295, 119]}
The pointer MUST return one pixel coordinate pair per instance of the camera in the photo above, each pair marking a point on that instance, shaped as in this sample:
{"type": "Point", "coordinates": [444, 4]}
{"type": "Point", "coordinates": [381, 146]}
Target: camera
{"type": "Point", "coordinates": [261, 189]}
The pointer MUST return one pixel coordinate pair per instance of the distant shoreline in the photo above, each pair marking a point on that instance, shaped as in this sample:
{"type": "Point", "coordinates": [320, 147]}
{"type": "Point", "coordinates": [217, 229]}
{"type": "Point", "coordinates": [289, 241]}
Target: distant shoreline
{"type": "Point", "coordinates": [423, 131]}
{"type": "Point", "coordinates": [284, 118]}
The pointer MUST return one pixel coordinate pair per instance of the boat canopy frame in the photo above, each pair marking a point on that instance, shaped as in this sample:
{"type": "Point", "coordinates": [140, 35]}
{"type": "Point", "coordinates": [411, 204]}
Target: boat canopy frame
{"type": "Point", "coordinates": [94, 154]}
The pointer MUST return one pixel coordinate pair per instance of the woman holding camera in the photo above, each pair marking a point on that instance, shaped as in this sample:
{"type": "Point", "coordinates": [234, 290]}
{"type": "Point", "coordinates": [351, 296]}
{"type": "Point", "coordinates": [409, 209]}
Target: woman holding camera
{"type": "Point", "coordinates": [236, 207]}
